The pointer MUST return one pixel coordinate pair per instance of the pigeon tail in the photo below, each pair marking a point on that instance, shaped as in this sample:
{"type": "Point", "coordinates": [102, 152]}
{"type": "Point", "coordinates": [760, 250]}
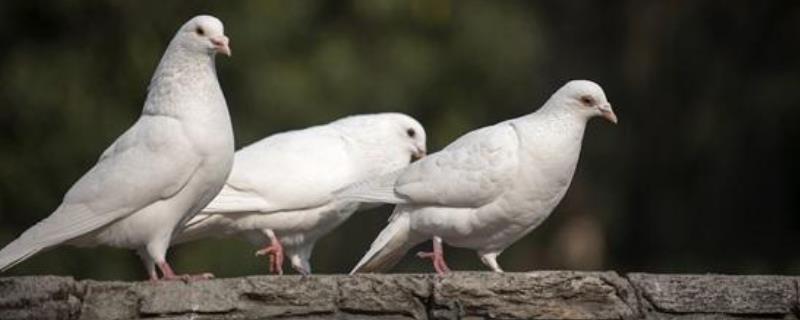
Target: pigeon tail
{"type": "Point", "coordinates": [63, 225]}
{"type": "Point", "coordinates": [14, 253]}
{"type": "Point", "coordinates": [391, 245]}
{"type": "Point", "coordinates": [376, 190]}
{"type": "Point", "coordinates": [199, 227]}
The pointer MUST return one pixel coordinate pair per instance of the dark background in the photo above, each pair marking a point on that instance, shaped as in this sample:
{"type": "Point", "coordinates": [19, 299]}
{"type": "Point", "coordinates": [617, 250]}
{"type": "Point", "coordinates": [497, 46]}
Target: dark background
{"type": "Point", "coordinates": [700, 175]}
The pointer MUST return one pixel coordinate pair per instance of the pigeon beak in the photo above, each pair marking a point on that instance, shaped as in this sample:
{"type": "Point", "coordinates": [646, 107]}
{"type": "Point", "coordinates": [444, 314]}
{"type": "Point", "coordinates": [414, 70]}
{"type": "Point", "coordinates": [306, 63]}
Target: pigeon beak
{"type": "Point", "coordinates": [221, 45]}
{"type": "Point", "coordinates": [608, 113]}
{"type": "Point", "coordinates": [418, 154]}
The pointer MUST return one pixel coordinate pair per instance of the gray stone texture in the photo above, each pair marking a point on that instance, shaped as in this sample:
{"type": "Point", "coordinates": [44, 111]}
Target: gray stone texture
{"type": "Point", "coordinates": [461, 295]}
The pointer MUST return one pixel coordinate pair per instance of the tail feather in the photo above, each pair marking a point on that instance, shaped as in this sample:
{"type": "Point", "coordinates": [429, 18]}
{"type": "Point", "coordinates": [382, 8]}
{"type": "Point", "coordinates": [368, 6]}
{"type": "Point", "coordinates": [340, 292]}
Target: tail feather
{"type": "Point", "coordinates": [390, 246]}
{"type": "Point", "coordinates": [63, 225]}
{"type": "Point", "coordinates": [202, 225]}
{"type": "Point", "coordinates": [11, 257]}
{"type": "Point", "coordinates": [374, 190]}
{"type": "Point", "coordinates": [230, 200]}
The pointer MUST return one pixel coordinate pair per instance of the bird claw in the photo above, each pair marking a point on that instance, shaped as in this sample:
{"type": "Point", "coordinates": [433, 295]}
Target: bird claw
{"type": "Point", "coordinates": [438, 261]}
{"type": "Point", "coordinates": [275, 253]}
{"type": "Point", "coordinates": [186, 277]}
{"type": "Point", "coordinates": [302, 271]}
{"type": "Point", "coordinates": [203, 276]}
{"type": "Point", "coordinates": [169, 275]}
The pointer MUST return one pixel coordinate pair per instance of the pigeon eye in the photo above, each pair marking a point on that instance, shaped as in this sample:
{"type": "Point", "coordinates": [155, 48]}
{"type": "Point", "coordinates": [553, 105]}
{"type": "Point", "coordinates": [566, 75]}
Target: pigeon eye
{"type": "Point", "coordinates": [587, 100]}
{"type": "Point", "coordinates": [199, 31]}
{"type": "Point", "coordinates": [411, 133]}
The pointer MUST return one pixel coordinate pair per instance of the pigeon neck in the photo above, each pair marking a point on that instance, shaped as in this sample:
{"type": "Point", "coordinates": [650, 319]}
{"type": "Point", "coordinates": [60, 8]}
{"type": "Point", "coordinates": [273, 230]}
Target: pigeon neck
{"type": "Point", "coordinates": [553, 132]}
{"type": "Point", "coordinates": [559, 118]}
{"type": "Point", "coordinates": [179, 65]}
{"type": "Point", "coordinates": [182, 76]}
{"type": "Point", "coordinates": [550, 145]}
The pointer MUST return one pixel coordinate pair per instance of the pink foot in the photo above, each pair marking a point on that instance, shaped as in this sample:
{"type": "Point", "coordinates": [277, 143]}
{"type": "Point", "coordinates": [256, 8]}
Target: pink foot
{"type": "Point", "coordinates": [438, 261]}
{"type": "Point", "coordinates": [168, 275]}
{"type": "Point", "coordinates": [275, 253]}
{"type": "Point", "coordinates": [437, 256]}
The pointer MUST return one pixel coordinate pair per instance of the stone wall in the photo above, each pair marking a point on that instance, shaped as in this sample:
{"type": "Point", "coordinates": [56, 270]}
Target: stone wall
{"type": "Point", "coordinates": [470, 295]}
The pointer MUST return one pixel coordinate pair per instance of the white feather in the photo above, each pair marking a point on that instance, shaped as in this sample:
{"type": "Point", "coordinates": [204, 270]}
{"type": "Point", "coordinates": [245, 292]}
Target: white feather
{"type": "Point", "coordinates": [160, 172]}
{"type": "Point", "coordinates": [490, 187]}
{"type": "Point", "coordinates": [285, 184]}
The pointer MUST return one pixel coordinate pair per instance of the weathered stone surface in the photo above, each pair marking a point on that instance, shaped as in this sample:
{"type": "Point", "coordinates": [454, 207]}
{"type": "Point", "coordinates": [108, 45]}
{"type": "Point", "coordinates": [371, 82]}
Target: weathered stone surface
{"type": "Point", "coordinates": [461, 295]}
{"type": "Point", "coordinates": [400, 296]}
{"type": "Point", "coordinates": [718, 293]}
{"type": "Point", "coordinates": [46, 297]}
{"type": "Point", "coordinates": [716, 316]}
{"type": "Point", "coordinates": [195, 297]}
{"type": "Point", "coordinates": [535, 295]}
{"type": "Point", "coordinates": [288, 296]}
{"type": "Point", "coordinates": [110, 300]}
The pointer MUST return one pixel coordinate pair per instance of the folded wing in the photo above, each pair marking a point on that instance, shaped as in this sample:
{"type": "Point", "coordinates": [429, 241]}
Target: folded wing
{"type": "Point", "coordinates": [143, 166]}
{"type": "Point", "coordinates": [470, 172]}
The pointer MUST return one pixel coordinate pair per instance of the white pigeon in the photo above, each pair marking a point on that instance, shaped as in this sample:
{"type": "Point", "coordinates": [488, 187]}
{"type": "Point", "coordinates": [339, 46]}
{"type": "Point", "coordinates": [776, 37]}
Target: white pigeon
{"type": "Point", "coordinates": [160, 172]}
{"type": "Point", "coordinates": [487, 189]}
{"type": "Point", "coordinates": [280, 193]}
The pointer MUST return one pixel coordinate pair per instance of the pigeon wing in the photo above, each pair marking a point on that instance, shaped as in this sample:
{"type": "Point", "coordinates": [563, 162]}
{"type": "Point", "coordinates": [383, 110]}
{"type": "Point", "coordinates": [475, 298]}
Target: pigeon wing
{"type": "Point", "coordinates": [284, 172]}
{"type": "Point", "coordinates": [470, 172]}
{"type": "Point", "coordinates": [143, 166]}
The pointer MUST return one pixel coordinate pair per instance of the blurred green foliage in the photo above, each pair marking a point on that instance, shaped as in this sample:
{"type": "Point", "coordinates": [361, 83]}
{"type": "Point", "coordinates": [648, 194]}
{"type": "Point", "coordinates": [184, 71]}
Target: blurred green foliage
{"type": "Point", "coordinates": [701, 175]}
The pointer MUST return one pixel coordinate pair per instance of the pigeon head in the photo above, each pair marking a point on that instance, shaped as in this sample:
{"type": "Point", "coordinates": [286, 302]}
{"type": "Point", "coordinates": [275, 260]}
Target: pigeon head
{"type": "Point", "coordinates": [585, 98]}
{"type": "Point", "coordinates": [203, 34]}
{"type": "Point", "coordinates": [390, 139]}
{"type": "Point", "coordinates": [400, 132]}
{"type": "Point", "coordinates": [412, 135]}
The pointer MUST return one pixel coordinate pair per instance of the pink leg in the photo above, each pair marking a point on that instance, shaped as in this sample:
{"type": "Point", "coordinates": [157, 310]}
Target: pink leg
{"type": "Point", "coordinates": [275, 252]}
{"type": "Point", "coordinates": [437, 256]}
{"type": "Point", "coordinates": [166, 271]}
{"type": "Point", "coordinates": [153, 276]}
{"type": "Point", "coordinates": [168, 275]}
